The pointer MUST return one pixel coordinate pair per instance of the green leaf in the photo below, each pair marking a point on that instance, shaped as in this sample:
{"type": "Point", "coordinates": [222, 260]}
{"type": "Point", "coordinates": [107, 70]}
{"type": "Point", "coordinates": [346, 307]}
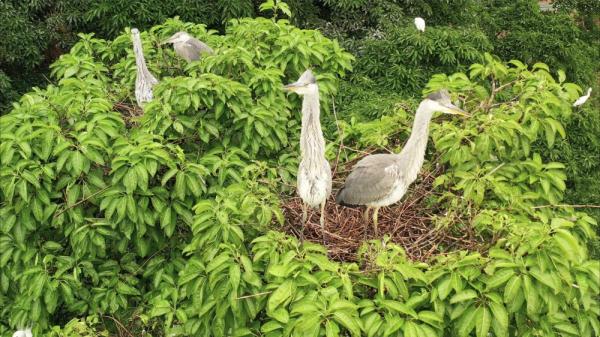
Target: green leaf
{"type": "Point", "coordinates": [483, 322]}
{"type": "Point", "coordinates": [512, 288]}
{"type": "Point", "coordinates": [349, 321]}
{"type": "Point", "coordinates": [77, 162]}
{"type": "Point", "coordinates": [499, 278]}
{"type": "Point", "coordinates": [130, 181]}
{"type": "Point", "coordinates": [462, 296]}
{"type": "Point", "coordinates": [500, 321]}
{"type": "Point", "coordinates": [399, 307]}
{"type": "Point", "coordinates": [280, 295]}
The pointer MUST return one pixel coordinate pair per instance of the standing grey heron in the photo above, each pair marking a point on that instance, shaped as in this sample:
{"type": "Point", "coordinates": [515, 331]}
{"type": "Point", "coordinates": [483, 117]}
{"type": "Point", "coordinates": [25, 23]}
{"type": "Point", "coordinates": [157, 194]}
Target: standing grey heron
{"type": "Point", "coordinates": [144, 80]}
{"type": "Point", "coordinates": [314, 172]}
{"type": "Point", "coordinates": [382, 179]}
{"type": "Point", "coordinates": [581, 100]}
{"type": "Point", "coordinates": [188, 46]}
{"type": "Point", "coordinates": [420, 24]}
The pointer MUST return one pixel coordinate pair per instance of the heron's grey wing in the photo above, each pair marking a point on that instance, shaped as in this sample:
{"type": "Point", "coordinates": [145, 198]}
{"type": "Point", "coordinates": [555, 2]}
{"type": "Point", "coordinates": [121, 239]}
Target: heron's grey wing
{"type": "Point", "coordinates": [369, 181]}
{"type": "Point", "coordinates": [200, 47]}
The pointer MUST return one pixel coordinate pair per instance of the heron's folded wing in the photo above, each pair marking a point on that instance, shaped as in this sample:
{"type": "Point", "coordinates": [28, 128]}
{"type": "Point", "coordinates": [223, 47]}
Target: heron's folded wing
{"type": "Point", "coordinates": [366, 184]}
{"type": "Point", "coordinates": [200, 46]}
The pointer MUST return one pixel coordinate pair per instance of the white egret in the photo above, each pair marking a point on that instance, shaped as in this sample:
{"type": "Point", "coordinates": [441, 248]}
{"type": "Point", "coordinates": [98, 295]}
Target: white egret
{"type": "Point", "coordinates": [420, 24]}
{"type": "Point", "coordinates": [581, 100]}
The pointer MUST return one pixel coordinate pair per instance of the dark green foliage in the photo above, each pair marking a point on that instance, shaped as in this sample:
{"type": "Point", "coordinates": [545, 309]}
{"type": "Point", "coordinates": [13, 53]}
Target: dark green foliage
{"type": "Point", "coordinates": [519, 30]}
{"type": "Point", "coordinates": [404, 59]}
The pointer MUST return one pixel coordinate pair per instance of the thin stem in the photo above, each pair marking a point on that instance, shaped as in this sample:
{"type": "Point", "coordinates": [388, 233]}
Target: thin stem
{"type": "Point", "coordinates": [254, 295]}
{"type": "Point", "coordinates": [82, 201]}
{"type": "Point", "coordinates": [565, 205]}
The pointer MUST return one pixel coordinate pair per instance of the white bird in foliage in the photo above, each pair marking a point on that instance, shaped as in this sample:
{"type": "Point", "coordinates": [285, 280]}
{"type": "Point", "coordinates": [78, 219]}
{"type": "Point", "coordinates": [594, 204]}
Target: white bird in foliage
{"type": "Point", "coordinates": [420, 24]}
{"type": "Point", "coordinates": [144, 80]}
{"type": "Point", "coordinates": [380, 180]}
{"type": "Point", "coordinates": [314, 172]}
{"type": "Point", "coordinates": [23, 333]}
{"type": "Point", "coordinates": [188, 47]}
{"type": "Point", "coordinates": [581, 100]}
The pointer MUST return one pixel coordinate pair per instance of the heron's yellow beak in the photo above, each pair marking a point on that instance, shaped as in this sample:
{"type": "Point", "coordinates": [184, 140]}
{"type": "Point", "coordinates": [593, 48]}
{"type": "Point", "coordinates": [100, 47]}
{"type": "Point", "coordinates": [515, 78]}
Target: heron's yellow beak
{"type": "Point", "coordinates": [454, 110]}
{"type": "Point", "coordinates": [292, 86]}
{"type": "Point", "coordinates": [169, 40]}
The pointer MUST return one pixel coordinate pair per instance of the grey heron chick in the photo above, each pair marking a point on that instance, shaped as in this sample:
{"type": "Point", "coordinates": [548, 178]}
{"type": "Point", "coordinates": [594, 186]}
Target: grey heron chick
{"type": "Point", "coordinates": [314, 172]}
{"type": "Point", "coordinates": [188, 47]}
{"type": "Point", "coordinates": [581, 100]}
{"type": "Point", "coordinates": [382, 179]}
{"type": "Point", "coordinates": [144, 80]}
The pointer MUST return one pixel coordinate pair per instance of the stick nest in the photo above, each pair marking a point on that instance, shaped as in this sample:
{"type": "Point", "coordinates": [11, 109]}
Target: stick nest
{"type": "Point", "coordinates": [409, 223]}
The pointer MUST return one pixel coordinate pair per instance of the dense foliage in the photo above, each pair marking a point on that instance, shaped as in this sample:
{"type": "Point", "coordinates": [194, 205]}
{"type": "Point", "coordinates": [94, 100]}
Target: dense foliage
{"type": "Point", "coordinates": [168, 221]}
{"type": "Point", "coordinates": [519, 30]}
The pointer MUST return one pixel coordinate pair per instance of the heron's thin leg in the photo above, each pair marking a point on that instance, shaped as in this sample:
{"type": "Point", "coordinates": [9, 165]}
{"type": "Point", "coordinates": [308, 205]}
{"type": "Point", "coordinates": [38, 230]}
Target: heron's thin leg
{"type": "Point", "coordinates": [304, 218]}
{"type": "Point", "coordinates": [375, 220]}
{"type": "Point", "coordinates": [366, 219]}
{"type": "Point", "coordinates": [322, 220]}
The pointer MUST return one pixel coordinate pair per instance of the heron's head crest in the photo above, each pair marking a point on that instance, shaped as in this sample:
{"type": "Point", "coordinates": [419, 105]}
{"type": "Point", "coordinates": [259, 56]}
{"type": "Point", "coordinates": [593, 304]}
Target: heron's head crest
{"type": "Point", "coordinates": [178, 37]}
{"type": "Point", "coordinates": [307, 77]}
{"type": "Point", "coordinates": [307, 83]}
{"type": "Point", "coordinates": [440, 101]}
{"type": "Point", "coordinates": [441, 96]}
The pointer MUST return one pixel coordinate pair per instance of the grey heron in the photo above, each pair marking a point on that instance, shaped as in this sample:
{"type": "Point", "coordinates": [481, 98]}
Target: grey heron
{"type": "Point", "coordinates": [581, 100]}
{"type": "Point", "coordinates": [314, 172]}
{"type": "Point", "coordinates": [23, 333]}
{"type": "Point", "coordinates": [144, 80]}
{"type": "Point", "coordinates": [188, 46]}
{"type": "Point", "coordinates": [420, 24]}
{"type": "Point", "coordinates": [382, 179]}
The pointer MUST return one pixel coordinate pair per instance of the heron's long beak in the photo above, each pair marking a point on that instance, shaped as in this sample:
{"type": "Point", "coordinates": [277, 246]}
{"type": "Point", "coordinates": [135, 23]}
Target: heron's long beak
{"type": "Point", "coordinates": [169, 40]}
{"type": "Point", "coordinates": [291, 86]}
{"type": "Point", "coordinates": [454, 110]}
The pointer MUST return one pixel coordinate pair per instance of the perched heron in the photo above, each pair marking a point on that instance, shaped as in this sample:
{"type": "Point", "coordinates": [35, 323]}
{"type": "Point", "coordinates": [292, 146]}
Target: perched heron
{"type": "Point", "coordinates": [144, 80]}
{"type": "Point", "coordinates": [188, 46]}
{"type": "Point", "coordinates": [23, 333]}
{"type": "Point", "coordinates": [581, 100]}
{"type": "Point", "coordinates": [382, 179]}
{"type": "Point", "coordinates": [314, 172]}
{"type": "Point", "coordinates": [420, 24]}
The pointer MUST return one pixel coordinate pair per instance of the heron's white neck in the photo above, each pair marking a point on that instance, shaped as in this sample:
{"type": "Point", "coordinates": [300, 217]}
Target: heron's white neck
{"type": "Point", "coordinates": [312, 143]}
{"type": "Point", "coordinates": [412, 155]}
{"type": "Point", "coordinates": [140, 62]}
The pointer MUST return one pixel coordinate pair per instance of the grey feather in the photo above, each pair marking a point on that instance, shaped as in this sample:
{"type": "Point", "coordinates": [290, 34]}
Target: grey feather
{"type": "Point", "coordinates": [144, 81]}
{"type": "Point", "coordinates": [369, 180]}
{"type": "Point", "coordinates": [188, 47]}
